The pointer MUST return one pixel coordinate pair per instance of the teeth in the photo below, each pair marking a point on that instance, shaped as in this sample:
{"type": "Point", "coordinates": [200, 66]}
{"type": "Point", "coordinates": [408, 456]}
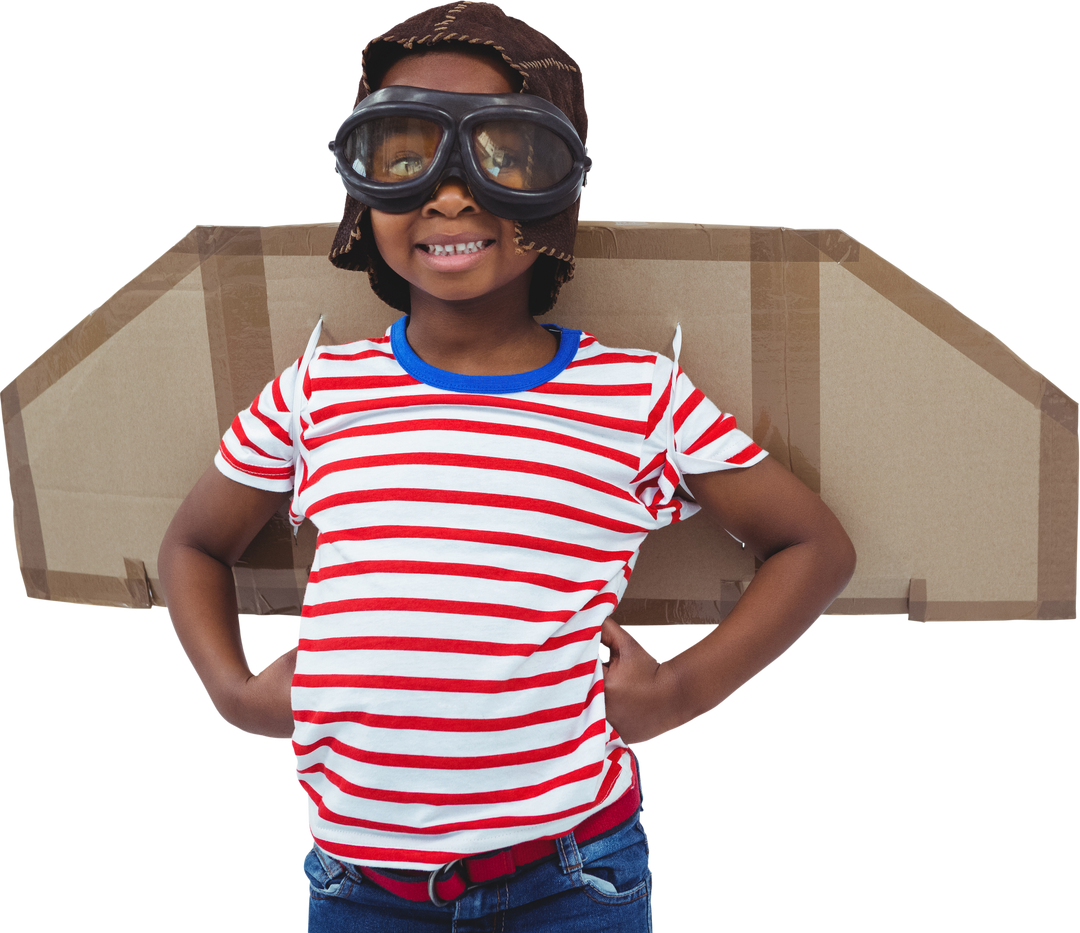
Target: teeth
{"type": "Point", "coordinates": [454, 249]}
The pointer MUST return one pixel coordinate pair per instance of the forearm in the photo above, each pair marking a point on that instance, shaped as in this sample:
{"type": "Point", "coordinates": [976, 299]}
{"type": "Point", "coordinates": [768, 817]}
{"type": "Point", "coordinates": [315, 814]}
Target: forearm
{"type": "Point", "coordinates": [202, 603]}
{"type": "Point", "coordinates": [788, 592]}
{"type": "Point", "coordinates": [807, 559]}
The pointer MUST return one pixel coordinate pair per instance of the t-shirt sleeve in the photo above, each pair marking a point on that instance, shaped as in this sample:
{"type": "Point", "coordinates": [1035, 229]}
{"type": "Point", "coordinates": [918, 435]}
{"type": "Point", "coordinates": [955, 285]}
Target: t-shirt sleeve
{"type": "Point", "coordinates": [257, 450]}
{"type": "Point", "coordinates": [706, 439]}
{"type": "Point", "coordinates": [686, 434]}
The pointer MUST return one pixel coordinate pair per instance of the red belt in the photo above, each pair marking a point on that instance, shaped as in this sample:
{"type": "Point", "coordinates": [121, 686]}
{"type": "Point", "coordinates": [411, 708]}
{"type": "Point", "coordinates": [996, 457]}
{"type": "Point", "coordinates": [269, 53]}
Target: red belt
{"type": "Point", "coordinates": [451, 881]}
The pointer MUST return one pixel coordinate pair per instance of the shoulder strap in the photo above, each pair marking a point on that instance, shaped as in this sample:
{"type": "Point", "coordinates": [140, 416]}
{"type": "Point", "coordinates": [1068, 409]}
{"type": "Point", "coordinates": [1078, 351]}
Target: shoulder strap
{"type": "Point", "coordinates": [676, 349]}
{"type": "Point", "coordinates": [298, 402]}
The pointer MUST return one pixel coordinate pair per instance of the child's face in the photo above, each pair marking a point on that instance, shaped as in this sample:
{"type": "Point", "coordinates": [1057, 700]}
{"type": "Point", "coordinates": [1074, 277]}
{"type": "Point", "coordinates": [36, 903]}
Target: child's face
{"type": "Point", "coordinates": [451, 216]}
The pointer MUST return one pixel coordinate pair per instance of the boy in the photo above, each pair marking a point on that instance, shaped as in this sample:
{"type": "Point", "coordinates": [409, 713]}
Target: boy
{"type": "Point", "coordinates": [481, 484]}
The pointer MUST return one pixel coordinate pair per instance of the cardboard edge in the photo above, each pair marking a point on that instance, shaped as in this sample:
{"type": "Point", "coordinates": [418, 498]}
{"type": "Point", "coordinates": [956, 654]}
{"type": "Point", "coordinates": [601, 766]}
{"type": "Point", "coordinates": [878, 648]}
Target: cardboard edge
{"type": "Point", "coordinates": [933, 310]}
{"type": "Point", "coordinates": [93, 328]}
{"type": "Point", "coordinates": [29, 538]}
{"type": "Point", "coordinates": [1059, 488]}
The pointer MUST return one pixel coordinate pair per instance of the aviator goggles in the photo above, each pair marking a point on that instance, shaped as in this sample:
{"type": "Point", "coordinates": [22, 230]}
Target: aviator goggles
{"type": "Point", "coordinates": [520, 156]}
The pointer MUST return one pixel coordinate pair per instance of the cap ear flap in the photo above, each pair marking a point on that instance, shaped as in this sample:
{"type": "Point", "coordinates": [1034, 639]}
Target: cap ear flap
{"type": "Point", "coordinates": [548, 276]}
{"type": "Point", "coordinates": [385, 282]}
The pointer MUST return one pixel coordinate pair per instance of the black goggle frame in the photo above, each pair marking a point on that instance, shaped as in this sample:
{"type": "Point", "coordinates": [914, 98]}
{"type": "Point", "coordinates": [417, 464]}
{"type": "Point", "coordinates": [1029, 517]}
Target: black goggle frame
{"type": "Point", "coordinates": [457, 114]}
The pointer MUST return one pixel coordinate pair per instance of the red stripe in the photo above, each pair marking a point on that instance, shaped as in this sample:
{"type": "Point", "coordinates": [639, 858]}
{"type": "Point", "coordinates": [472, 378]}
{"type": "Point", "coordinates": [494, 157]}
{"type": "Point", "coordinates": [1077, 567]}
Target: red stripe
{"type": "Point", "coordinates": [470, 462]}
{"type": "Point", "coordinates": [671, 474]}
{"type": "Point", "coordinates": [274, 473]}
{"type": "Point", "coordinates": [748, 453]}
{"type": "Point", "coordinates": [606, 358]}
{"type": "Point", "coordinates": [456, 762]}
{"type": "Point", "coordinates": [651, 466]}
{"type": "Point", "coordinates": [644, 487]}
{"type": "Point", "coordinates": [448, 645]}
{"type": "Point", "coordinates": [492, 428]}
{"type": "Point", "coordinates": [479, 571]}
{"type": "Point", "coordinates": [453, 399]}
{"type": "Point", "coordinates": [570, 388]}
{"type": "Point", "coordinates": [445, 684]}
{"type": "Point", "coordinates": [304, 477]}
{"type": "Point", "coordinates": [448, 606]}
{"type": "Point", "coordinates": [245, 441]}
{"type": "Point", "coordinates": [476, 798]}
{"type": "Point", "coordinates": [440, 724]}
{"type": "Point", "coordinates": [599, 599]}
{"type": "Point", "coordinates": [275, 391]}
{"type": "Point", "coordinates": [685, 409]}
{"type": "Point", "coordinates": [476, 536]}
{"type": "Point", "coordinates": [271, 425]}
{"type": "Point", "coordinates": [462, 497]}
{"type": "Point", "coordinates": [658, 410]}
{"type": "Point", "coordinates": [360, 383]}
{"type": "Point", "coordinates": [354, 357]}
{"type": "Point", "coordinates": [613, 773]}
{"type": "Point", "coordinates": [719, 428]}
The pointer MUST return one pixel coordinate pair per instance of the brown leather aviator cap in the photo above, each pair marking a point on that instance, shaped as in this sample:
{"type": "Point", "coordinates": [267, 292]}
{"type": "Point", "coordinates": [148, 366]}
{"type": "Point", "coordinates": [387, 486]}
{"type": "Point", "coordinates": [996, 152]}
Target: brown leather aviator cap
{"type": "Point", "coordinates": [546, 71]}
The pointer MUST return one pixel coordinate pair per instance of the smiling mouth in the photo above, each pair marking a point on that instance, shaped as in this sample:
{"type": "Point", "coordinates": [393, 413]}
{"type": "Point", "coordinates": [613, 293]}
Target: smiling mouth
{"type": "Point", "coordinates": [454, 249]}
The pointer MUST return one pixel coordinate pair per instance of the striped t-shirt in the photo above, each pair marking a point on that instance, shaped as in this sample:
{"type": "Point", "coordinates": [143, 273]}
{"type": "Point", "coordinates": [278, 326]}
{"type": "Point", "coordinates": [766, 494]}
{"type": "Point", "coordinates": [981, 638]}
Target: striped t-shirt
{"type": "Point", "coordinates": [474, 533]}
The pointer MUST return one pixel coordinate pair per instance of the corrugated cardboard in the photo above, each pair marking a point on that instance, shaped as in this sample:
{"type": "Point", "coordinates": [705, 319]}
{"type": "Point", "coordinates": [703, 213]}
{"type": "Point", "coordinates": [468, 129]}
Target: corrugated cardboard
{"type": "Point", "coordinates": [952, 464]}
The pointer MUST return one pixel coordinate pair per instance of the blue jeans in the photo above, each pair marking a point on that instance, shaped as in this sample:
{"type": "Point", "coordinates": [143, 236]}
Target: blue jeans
{"type": "Point", "coordinates": [602, 885]}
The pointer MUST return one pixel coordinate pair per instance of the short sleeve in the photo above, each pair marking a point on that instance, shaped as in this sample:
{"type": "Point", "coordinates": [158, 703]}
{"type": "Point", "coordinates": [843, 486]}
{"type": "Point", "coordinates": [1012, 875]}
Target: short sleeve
{"type": "Point", "coordinates": [686, 434]}
{"type": "Point", "coordinates": [257, 450]}
{"type": "Point", "coordinates": [705, 438]}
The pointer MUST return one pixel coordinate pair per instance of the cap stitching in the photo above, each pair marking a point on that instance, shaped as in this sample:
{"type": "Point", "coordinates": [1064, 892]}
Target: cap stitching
{"type": "Point", "coordinates": [548, 63]}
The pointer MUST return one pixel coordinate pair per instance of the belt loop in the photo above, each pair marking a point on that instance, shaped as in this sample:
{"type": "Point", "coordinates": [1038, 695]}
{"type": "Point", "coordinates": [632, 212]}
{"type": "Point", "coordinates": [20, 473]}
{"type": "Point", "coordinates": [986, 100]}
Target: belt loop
{"type": "Point", "coordinates": [569, 854]}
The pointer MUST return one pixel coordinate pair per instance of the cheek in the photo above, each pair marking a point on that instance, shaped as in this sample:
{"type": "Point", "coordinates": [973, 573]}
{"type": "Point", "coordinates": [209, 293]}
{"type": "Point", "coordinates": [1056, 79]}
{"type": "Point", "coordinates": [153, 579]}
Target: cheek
{"type": "Point", "coordinates": [527, 261]}
{"type": "Point", "coordinates": [520, 262]}
{"type": "Point", "coordinates": [390, 232]}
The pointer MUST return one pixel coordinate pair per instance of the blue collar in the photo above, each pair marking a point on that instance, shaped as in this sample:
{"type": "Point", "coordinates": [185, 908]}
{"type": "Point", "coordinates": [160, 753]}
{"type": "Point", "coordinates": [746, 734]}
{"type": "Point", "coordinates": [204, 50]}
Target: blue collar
{"type": "Point", "coordinates": [489, 385]}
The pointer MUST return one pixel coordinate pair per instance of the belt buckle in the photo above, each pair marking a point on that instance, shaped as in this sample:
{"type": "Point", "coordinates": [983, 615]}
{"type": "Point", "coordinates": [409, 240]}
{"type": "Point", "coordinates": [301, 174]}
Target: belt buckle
{"type": "Point", "coordinates": [448, 867]}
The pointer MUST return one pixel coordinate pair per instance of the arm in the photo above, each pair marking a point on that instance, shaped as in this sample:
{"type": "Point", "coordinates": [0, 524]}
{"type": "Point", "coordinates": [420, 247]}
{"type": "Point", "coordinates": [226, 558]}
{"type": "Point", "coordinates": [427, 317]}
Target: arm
{"type": "Point", "coordinates": [209, 532]}
{"type": "Point", "coordinates": [807, 560]}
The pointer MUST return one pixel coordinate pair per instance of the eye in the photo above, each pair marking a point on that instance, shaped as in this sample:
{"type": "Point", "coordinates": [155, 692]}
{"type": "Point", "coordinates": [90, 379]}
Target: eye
{"type": "Point", "coordinates": [519, 154]}
{"type": "Point", "coordinates": [394, 149]}
{"type": "Point", "coordinates": [493, 157]}
{"type": "Point", "coordinates": [405, 164]}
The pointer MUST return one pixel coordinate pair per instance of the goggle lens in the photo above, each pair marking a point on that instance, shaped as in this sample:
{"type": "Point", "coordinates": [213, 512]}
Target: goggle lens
{"type": "Point", "coordinates": [393, 149]}
{"type": "Point", "coordinates": [522, 155]}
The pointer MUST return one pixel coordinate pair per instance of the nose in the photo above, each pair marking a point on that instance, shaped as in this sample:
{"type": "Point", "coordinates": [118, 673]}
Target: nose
{"type": "Point", "coordinates": [450, 198]}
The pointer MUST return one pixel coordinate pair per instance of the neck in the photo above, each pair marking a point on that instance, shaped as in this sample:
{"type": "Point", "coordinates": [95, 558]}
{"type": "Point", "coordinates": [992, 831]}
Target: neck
{"type": "Point", "coordinates": [493, 335]}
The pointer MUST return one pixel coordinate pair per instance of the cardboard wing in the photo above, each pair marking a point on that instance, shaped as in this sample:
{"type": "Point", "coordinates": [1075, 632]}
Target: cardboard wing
{"type": "Point", "coordinates": [952, 464]}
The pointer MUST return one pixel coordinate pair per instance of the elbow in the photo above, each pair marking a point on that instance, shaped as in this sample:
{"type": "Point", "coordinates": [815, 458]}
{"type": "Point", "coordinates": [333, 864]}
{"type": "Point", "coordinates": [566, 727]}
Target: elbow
{"type": "Point", "coordinates": [849, 560]}
{"type": "Point", "coordinates": [164, 562]}
{"type": "Point", "coordinates": [835, 555]}
{"type": "Point", "coordinates": [169, 555]}
{"type": "Point", "coordinates": [844, 558]}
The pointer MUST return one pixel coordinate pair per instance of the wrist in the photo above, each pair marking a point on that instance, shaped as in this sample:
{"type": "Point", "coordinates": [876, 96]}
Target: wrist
{"type": "Point", "coordinates": [670, 706]}
{"type": "Point", "coordinates": [261, 703]}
